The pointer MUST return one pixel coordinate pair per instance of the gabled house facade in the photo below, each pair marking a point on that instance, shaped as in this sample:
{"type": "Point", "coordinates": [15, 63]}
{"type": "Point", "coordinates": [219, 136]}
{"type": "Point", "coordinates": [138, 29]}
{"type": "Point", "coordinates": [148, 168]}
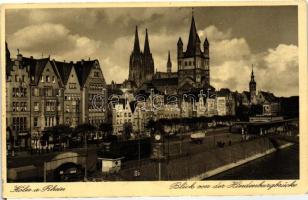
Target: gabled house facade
{"type": "Point", "coordinates": [93, 92]}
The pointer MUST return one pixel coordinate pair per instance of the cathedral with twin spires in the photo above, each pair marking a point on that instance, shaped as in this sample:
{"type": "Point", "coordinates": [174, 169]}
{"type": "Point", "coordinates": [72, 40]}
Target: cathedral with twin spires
{"type": "Point", "coordinates": [193, 66]}
{"type": "Point", "coordinates": [141, 64]}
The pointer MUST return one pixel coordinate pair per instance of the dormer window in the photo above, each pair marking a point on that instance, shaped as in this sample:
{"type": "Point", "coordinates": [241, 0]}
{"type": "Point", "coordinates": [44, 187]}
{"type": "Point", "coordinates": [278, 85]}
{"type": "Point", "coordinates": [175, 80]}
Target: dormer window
{"type": "Point", "coordinates": [53, 79]}
{"type": "Point", "coordinates": [47, 79]}
{"type": "Point", "coordinates": [96, 74]}
{"type": "Point", "coordinates": [42, 79]}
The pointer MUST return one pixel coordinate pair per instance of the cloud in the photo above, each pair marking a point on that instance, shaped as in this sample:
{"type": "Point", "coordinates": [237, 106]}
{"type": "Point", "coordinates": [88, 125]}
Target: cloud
{"type": "Point", "coordinates": [281, 72]}
{"type": "Point", "coordinates": [276, 69]}
{"type": "Point", "coordinates": [224, 47]}
{"type": "Point", "coordinates": [231, 57]}
{"type": "Point", "coordinates": [55, 40]}
{"type": "Point", "coordinates": [214, 34]}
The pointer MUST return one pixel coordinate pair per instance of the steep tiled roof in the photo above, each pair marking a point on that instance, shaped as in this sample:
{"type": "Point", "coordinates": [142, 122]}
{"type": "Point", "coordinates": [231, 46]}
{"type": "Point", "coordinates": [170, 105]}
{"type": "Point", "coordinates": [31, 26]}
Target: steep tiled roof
{"type": "Point", "coordinates": [64, 69]}
{"type": "Point", "coordinates": [165, 81]}
{"type": "Point", "coordinates": [36, 68]}
{"type": "Point", "coordinates": [8, 65]}
{"type": "Point", "coordinates": [270, 97]}
{"type": "Point", "coordinates": [83, 69]}
{"type": "Point", "coordinates": [193, 46]}
{"type": "Point", "coordinates": [161, 75]}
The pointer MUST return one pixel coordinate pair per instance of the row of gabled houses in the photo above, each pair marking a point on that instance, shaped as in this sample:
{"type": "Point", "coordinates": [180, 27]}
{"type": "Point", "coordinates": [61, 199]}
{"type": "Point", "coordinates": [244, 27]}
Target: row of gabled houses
{"type": "Point", "coordinates": [42, 93]}
{"type": "Point", "coordinates": [139, 109]}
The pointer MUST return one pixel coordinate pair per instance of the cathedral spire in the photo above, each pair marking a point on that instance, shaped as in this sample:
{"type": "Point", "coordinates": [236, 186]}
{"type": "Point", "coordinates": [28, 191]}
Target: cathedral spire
{"type": "Point", "coordinates": [146, 44]}
{"type": "Point", "coordinates": [169, 63]}
{"type": "Point", "coordinates": [136, 44]}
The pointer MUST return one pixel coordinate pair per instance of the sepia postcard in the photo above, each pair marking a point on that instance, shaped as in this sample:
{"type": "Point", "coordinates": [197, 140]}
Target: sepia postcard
{"type": "Point", "coordinates": [154, 99]}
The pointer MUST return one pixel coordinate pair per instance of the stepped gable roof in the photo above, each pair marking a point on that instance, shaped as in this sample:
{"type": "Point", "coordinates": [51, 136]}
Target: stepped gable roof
{"type": "Point", "coordinates": [83, 69]}
{"type": "Point", "coordinates": [64, 69]}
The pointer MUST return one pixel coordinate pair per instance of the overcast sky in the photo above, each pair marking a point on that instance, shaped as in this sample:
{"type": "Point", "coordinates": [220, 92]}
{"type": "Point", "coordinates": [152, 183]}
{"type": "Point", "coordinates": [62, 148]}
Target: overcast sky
{"type": "Point", "coordinates": [238, 36]}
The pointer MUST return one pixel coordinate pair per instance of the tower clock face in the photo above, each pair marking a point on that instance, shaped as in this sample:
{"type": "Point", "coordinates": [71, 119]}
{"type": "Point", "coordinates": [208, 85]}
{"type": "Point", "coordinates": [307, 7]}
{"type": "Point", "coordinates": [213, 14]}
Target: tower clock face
{"type": "Point", "coordinates": [157, 137]}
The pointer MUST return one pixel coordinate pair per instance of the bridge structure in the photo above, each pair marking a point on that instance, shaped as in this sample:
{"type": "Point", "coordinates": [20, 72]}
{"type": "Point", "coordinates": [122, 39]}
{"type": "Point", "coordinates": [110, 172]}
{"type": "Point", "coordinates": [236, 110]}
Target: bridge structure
{"type": "Point", "coordinates": [282, 129]}
{"type": "Point", "coordinates": [56, 165]}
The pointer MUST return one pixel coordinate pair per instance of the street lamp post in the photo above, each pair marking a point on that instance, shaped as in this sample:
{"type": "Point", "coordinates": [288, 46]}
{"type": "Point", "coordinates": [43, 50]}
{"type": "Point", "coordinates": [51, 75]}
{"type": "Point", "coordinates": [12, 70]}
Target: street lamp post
{"type": "Point", "coordinates": [158, 139]}
{"type": "Point", "coordinates": [86, 147]}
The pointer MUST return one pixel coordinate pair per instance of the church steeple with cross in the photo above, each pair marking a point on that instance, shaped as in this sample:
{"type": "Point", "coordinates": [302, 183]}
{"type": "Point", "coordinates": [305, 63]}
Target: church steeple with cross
{"type": "Point", "coordinates": [193, 63]}
{"type": "Point", "coordinates": [252, 86]}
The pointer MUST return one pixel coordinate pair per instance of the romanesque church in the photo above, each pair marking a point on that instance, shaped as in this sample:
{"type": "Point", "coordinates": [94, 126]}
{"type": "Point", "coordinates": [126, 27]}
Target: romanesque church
{"type": "Point", "coordinates": [193, 66]}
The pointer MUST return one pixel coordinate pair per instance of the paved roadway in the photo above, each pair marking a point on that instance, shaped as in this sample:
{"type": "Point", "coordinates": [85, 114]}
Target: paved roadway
{"type": "Point", "coordinates": [175, 147]}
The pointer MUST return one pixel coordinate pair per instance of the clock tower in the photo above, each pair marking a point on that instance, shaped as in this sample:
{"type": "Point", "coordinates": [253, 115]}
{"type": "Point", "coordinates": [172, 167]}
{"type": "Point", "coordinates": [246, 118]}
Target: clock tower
{"type": "Point", "coordinates": [252, 88]}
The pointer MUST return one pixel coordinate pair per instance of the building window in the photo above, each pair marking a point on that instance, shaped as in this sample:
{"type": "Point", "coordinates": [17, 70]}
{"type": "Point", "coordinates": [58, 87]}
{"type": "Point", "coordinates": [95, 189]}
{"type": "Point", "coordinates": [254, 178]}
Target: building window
{"type": "Point", "coordinates": [16, 78]}
{"type": "Point", "coordinates": [47, 79]}
{"type": "Point", "coordinates": [35, 121]}
{"type": "Point", "coordinates": [67, 108]}
{"type": "Point", "coordinates": [47, 106]}
{"type": "Point", "coordinates": [23, 78]}
{"type": "Point", "coordinates": [36, 92]}
{"type": "Point", "coordinates": [14, 106]}
{"type": "Point", "coordinates": [53, 106]}
{"type": "Point", "coordinates": [17, 106]}
{"type": "Point", "coordinates": [96, 74]}
{"type": "Point", "coordinates": [14, 92]}
{"type": "Point", "coordinates": [57, 92]}
{"type": "Point", "coordinates": [72, 85]}
{"type": "Point", "coordinates": [42, 79]}
{"type": "Point", "coordinates": [53, 79]}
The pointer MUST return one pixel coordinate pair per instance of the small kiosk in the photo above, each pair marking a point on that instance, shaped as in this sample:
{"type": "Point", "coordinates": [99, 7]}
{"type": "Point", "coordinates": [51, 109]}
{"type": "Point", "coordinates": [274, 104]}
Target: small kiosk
{"type": "Point", "coordinates": [110, 165]}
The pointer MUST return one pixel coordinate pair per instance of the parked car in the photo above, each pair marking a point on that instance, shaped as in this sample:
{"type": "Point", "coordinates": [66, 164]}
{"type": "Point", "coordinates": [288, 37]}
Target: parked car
{"type": "Point", "coordinates": [197, 137]}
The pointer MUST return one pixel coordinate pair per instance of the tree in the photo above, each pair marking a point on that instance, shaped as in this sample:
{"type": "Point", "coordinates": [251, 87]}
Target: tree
{"type": "Point", "coordinates": [106, 128]}
{"type": "Point", "coordinates": [152, 126]}
{"type": "Point", "coordinates": [84, 130]}
{"type": "Point", "coordinates": [60, 133]}
{"type": "Point", "coordinates": [127, 129]}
